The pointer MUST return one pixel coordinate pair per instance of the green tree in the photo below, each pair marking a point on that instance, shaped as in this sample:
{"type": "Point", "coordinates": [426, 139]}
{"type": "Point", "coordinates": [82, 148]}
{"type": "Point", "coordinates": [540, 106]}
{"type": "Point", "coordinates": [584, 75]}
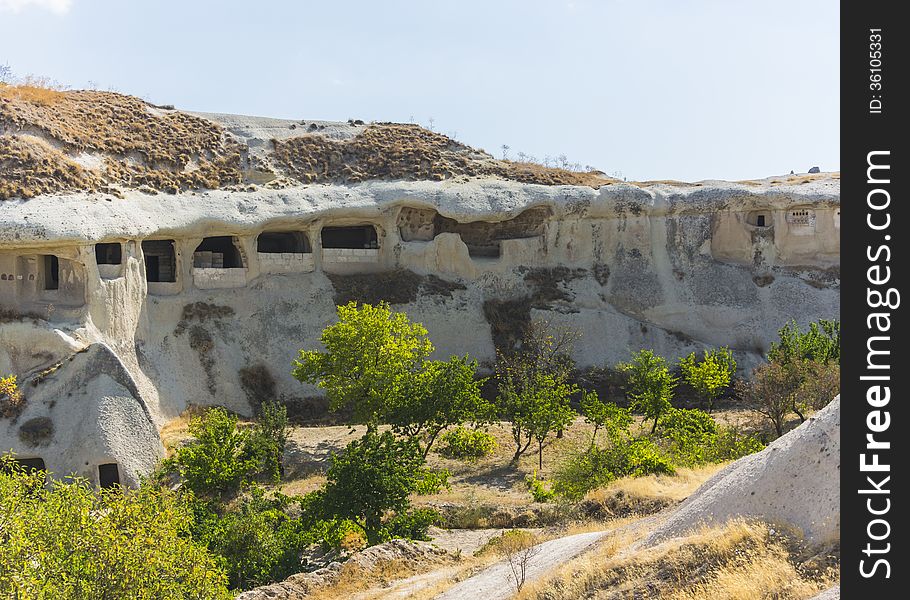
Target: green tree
{"type": "Point", "coordinates": [710, 376]}
{"type": "Point", "coordinates": [375, 475]}
{"type": "Point", "coordinates": [550, 410]}
{"type": "Point", "coordinates": [217, 461]}
{"type": "Point", "coordinates": [257, 540]}
{"type": "Point", "coordinates": [651, 384]}
{"type": "Point", "coordinates": [222, 457]}
{"type": "Point", "coordinates": [441, 395]}
{"type": "Point", "coordinates": [370, 354]}
{"type": "Point", "coordinates": [604, 415]}
{"type": "Point", "coordinates": [772, 391]}
{"type": "Point", "coordinates": [67, 541]}
{"type": "Point", "coordinates": [536, 404]}
{"type": "Point", "coordinates": [268, 439]}
{"type": "Point", "coordinates": [820, 343]}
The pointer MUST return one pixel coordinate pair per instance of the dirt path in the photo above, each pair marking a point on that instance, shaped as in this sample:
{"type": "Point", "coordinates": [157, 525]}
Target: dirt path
{"type": "Point", "coordinates": [495, 582]}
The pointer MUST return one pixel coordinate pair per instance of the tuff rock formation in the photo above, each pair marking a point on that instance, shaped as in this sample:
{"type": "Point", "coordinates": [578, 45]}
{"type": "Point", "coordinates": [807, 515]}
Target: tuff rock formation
{"type": "Point", "coordinates": [152, 259]}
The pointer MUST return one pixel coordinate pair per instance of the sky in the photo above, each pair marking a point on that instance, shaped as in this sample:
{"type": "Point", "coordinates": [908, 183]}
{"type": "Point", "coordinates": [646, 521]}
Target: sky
{"type": "Point", "coordinates": [642, 89]}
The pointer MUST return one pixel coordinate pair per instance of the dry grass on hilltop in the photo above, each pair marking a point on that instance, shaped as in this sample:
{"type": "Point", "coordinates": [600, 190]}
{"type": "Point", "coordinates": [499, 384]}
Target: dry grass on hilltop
{"type": "Point", "coordinates": [29, 167]}
{"type": "Point", "coordinates": [732, 562]}
{"type": "Point", "coordinates": [53, 140]}
{"type": "Point", "coordinates": [403, 151]}
{"type": "Point", "coordinates": [135, 143]}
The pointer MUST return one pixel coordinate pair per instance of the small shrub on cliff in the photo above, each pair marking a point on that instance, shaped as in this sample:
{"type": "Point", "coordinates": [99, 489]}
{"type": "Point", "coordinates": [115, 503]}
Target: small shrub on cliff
{"type": "Point", "coordinates": [11, 399]}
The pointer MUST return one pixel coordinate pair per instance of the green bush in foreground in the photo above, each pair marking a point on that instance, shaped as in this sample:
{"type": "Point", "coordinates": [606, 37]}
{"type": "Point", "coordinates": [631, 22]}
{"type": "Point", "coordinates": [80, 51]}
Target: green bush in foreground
{"type": "Point", "coordinates": [258, 541]}
{"type": "Point", "coordinates": [467, 444]}
{"type": "Point", "coordinates": [373, 476]}
{"type": "Point", "coordinates": [66, 541]}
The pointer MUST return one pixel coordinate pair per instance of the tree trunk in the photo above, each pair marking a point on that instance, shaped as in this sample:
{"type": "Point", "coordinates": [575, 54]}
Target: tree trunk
{"type": "Point", "coordinates": [539, 456]}
{"type": "Point", "coordinates": [654, 427]}
{"type": "Point", "coordinates": [372, 525]}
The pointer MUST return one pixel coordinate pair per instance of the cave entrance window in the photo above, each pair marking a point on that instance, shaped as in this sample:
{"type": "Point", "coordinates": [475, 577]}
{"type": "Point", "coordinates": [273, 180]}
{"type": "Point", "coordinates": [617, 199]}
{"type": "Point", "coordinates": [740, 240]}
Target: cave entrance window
{"type": "Point", "coordinates": [360, 237]}
{"type": "Point", "coordinates": [30, 465]}
{"type": "Point", "coordinates": [108, 475]}
{"type": "Point", "coordinates": [759, 218]}
{"type": "Point", "coordinates": [160, 261]}
{"type": "Point", "coordinates": [108, 254]}
{"type": "Point", "coordinates": [51, 272]}
{"type": "Point", "coordinates": [283, 242]}
{"type": "Point", "coordinates": [217, 253]}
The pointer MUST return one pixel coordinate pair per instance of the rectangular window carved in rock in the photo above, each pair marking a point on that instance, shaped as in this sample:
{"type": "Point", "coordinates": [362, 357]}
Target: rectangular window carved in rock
{"type": "Point", "coordinates": [109, 254]}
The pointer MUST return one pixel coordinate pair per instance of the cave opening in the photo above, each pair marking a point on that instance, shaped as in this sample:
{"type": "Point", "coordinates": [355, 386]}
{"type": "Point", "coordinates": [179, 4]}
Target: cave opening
{"type": "Point", "coordinates": [283, 242]}
{"type": "Point", "coordinates": [358, 237]}
{"type": "Point", "coordinates": [217, 252]}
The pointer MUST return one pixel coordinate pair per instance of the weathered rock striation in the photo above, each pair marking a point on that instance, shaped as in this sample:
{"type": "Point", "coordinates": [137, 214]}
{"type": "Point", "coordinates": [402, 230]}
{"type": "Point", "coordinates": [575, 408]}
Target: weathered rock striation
{"type": "Point", "coordinates": [121, 305]}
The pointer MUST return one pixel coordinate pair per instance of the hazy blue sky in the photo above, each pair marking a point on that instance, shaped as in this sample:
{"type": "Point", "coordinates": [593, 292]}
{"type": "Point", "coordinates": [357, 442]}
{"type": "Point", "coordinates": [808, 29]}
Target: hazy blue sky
{"type": "Point", "coordinates": [655, 89]}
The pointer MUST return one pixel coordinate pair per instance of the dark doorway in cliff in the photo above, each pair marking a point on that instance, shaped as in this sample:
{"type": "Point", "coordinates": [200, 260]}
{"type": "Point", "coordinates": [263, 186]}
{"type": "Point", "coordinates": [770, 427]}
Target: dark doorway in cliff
{"type": "Point", "coordinates": [51, 272]}
{"type": "Point", "coordinates": [360, 237]}
{"type": "Point", "coordinates": [283, 242]}
{"type": "Point", "coordinates": [759, 218]}
{"type": "Point", "coordinates": [160, 261]}
{"type": "Point", "coordinates": [29, 465]}
{"type": "Point", "coordinates": [108, 476]}
{"type": "Point", "coordinates": [217, 253]}
{"type": "Point", "coordinates": [109, 254]}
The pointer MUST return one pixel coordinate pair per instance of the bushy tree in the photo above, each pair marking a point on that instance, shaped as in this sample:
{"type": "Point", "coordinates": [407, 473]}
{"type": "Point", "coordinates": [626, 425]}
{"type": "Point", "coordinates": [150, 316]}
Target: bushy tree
{"type": "Point", "coordinates": [257, 541]}
{"type": "Point", "coordinates": [268, 439]}
{"type": "Point", "coordinates": [376, 362]}
{"type": "Point", "coordinates": [370, 354]}
{"type": "Point", "coordinates": [772, 390]}
{"type": "Point", "coordinates": [535, 404]}
{"type": "Point", "coordinates": [222, 457]}
{"type": "Point", "coordinates": [651, 384]}
{"type": "Point", "coordinates": [819, 343]}
{"type": "Point", "coordinates": [68, 541]}
{"type": "Point", "coordinates": [710, 376]}
{"type": "Point", "coordinates": [604, 415]}
{"type": "Point", "coordinates": [443, 394]}
{"type": "Point", "coordinates": [375, 475]}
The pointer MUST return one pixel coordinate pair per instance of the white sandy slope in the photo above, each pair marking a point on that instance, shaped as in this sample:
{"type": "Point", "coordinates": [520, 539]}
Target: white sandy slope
{"type": "Point", "coordinates": [794, 481]}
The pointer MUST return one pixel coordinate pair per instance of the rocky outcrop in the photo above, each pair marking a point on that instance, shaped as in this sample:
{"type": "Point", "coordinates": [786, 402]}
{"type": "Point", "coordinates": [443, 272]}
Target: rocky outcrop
{"type": "Point", "coordinates": [194, 291]}
{"type": "Point", "coordinates": [362, 565]}
{"type": "Point", "coordinates": [795, 482]}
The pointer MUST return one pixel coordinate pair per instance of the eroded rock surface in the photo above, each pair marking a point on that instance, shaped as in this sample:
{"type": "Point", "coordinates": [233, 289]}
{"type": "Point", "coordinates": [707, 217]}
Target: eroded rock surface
{"type": "Point", "coordinates": [204, 295]}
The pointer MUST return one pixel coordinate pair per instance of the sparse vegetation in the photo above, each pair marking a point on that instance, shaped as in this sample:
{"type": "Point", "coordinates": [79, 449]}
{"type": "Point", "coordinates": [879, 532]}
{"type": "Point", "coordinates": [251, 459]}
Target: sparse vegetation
{"type": "Point", "coordinates": [122, 128]}
{"type": "Point", "coordinates": [405, 151]}
{"type": "Point", "coordinates": [12, 400]}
